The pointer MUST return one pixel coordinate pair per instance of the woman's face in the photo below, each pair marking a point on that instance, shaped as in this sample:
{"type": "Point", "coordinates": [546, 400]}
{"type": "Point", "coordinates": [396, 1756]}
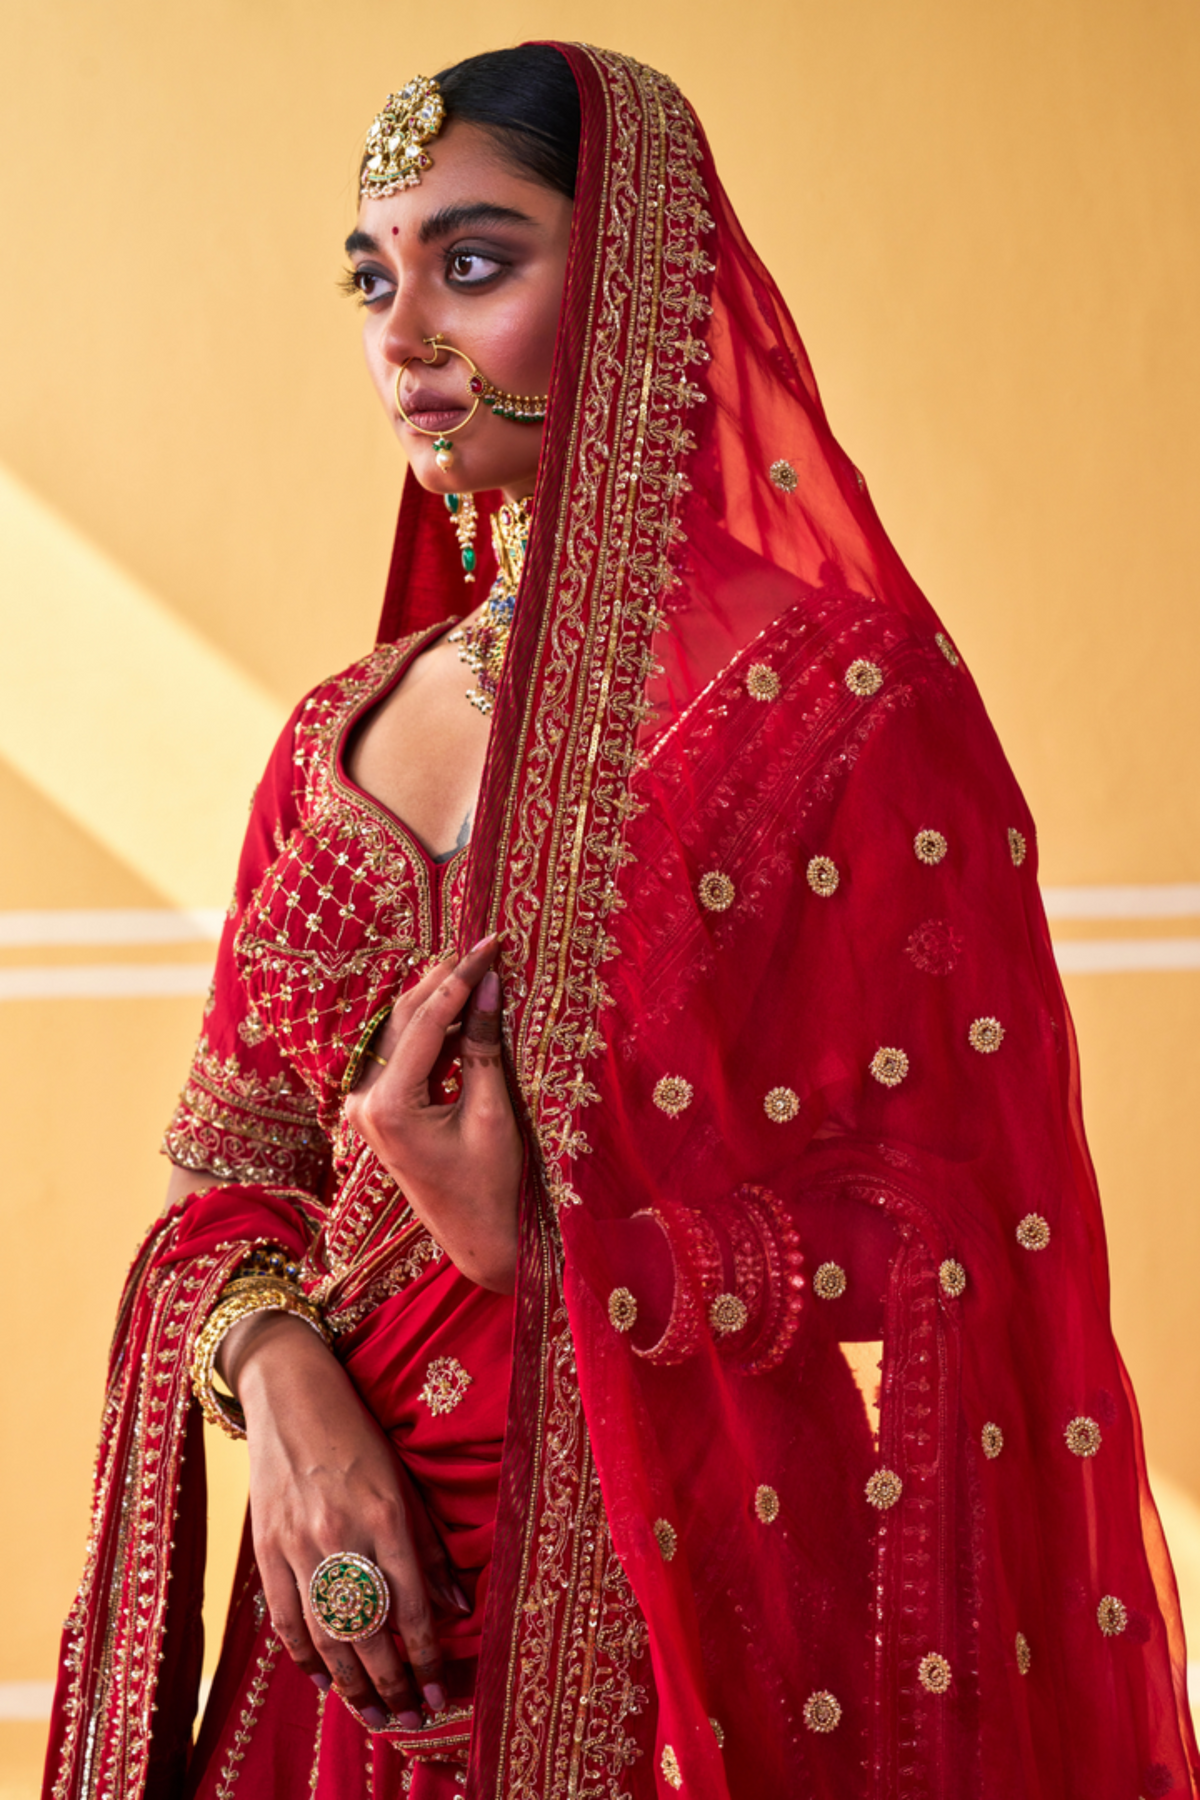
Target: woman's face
{"type": "Point", "coordinates": [478, 253]}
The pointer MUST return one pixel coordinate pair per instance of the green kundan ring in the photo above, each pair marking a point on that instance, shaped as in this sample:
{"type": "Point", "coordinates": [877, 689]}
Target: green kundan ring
{"type": "Point", "coordinates": [349, 1597]}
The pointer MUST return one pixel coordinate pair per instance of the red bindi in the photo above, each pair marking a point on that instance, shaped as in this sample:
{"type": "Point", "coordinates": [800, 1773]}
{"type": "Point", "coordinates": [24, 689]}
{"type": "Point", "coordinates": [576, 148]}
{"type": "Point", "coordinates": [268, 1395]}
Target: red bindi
{"type": "Point", "coordinates": [395, 231]}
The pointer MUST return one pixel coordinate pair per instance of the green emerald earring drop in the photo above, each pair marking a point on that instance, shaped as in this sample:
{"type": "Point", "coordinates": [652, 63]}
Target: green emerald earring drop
{"type": "Point", "coordinates": [461, 508]}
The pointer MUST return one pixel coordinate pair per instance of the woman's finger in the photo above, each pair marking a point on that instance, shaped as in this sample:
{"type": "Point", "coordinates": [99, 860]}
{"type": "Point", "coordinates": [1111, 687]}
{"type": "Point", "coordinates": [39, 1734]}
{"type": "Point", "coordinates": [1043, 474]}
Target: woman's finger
{"type": "Point", "coordinates": [484, 1085]}
{"type": "Point", "coordinates": [286, 1612]}
{"type": "Point", "coordinates": [411, 1618]}
{"type": "Point", "coordinates": [420, 1043]}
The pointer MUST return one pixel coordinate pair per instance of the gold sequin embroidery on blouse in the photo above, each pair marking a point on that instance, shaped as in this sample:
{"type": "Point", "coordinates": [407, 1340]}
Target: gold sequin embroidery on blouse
{"type": "Point", "coordinates": [947, 648]}
{"type": "Point", "coordinates": [1016, 846]}
{"type": "Point", "coordinates": [446, 1382]}
{"type": "Point", "coordinates": [864, 678]}
{"type": "Point", "coordinates": [953, 1278]}
{"type": "Point", "coordinates": [718, 1732]}
{"type": "Point", "coordinates": [986, 1036]}
{"type": "Point", "coordinates": [1024, 1654]}
{"type": "Point", "coordinates": [992, 1440]}
{"type": "Point", "coordinates": [781, 1104]}
{"type": "Point", "coordinates": [829, 1281]}
{"type": "Point", "coordinates": [716, 891]}
{"type": "Point", "coordinates": [727, 1314]}
{"type": "Point", "coordinates": [930, 846]}
{"type": "Point", "coordinates": [673, 1095]}
{"type": "Point", "coordinates": [1083, 1436]}
{"type": "Point", "coordinates": [766, 1504]}
{"type": "Point", "coordinates": [934, 1674]}
{"type": "Point", "coordinates": [823, 877]}
{"type": "Point", "coordinates": [1111, 1616]}
{"type": "Point", "coordinates": [622, 1309]}
{"type": "Point", "coordinates": [666, 1537]}
{"type": "Point", "coordinates": [784, 476]}
{"type": "Point", "coordinates": [822, 1712]}
{"type": "Point", "coordinates": [883, 1489]}
{"type": "Point", "coordinates": [670, 1767]}
{"type": "Point", "coordinates": [762, 683]}
{"type": "Point", "coordinates": [889, 1066]}
{"type": "Point", "coordinates": [1033, 1233]}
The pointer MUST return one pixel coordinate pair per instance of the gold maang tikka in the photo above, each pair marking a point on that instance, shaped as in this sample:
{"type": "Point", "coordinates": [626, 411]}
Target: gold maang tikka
{"type": "Point", "coordinates": [482, 643]}
{"type": "Point", "coordinates": [395, 156]}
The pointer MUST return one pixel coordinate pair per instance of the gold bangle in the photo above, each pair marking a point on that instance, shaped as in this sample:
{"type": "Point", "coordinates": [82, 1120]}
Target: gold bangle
{"type": "Point", "coordinates": [362, 1048]}
{"type": "Point", "coordinates": [252, 1295]}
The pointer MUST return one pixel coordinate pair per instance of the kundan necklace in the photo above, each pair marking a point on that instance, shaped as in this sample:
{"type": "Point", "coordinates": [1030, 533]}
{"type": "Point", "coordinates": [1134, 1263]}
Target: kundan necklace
{"type": "Point", "coordinates": [482, 641]}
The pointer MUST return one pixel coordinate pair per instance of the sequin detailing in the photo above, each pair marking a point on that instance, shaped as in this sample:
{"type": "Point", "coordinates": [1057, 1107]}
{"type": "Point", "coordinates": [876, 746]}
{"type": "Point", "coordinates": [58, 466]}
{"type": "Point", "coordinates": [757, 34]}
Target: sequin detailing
{"type": "Point", "coordinates": [930, 846]}
{"type": "Point", "coordinates": [1016, 846]}
{"type": "Point", "coordinates": [622, 1309]}
{"type": "Point", "coordinates": [728, 1314]}
{"type": "Point", "coordinates": [673, 1095]}
{"type": "Point", "coordinates": [666, 1537]}
{"type": "Point", "coordinates": [953, 1278]}
{"type": "Point", "coordinates": [766, 1504]}
{"type": "Point", "coordinates": [784, 476]}
{"type": "Point", "coordinates": [762, 683]}
{"type": "Point", "coordinates": [823, 877]}
{"type": "Point", "coordinates": [718, 1732]}
{"type": "Point", "coordinates": [947, 648]}
{"type": "Point", "coordinates": [934, 1674]}
{"type": "Point", "coordinates": [829, 1281]}
{"type": "Point", "coordinates": [1033, 1233]}
{"type": "Point", "coordinates": [889, 1066]}
{"type": "Point", "coordinates": [1083, 1436]}
{"type": "Point", "coordinates": [992, 1440]}
{"type": "Point", "coordinates": [716, 891]}
{"type": "Point", "coordinates": [781, 1104]}
{"type": "Point", "coordinates": [669, 1763]}
{"type": "Point", "coordinates": [883, 1489]}
{"type": "Point", "coordinates": [1111, 1616]}
{"type": "Point", "coordinates": [864, 678]}
{"type": "Point", "coordinates": [446, 1382]}
{"type": "Point", "coordinates": [822, 1712]}
{"type": "Point", "coordinates": [986, 1036]}
{"type": "Point", "coordinates": [1024, 1654]}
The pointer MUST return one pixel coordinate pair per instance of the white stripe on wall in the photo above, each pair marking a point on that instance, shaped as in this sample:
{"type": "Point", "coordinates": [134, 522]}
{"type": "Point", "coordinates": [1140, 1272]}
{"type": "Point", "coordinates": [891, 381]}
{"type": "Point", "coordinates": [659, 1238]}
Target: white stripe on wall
{"type": "Point", "coordinates": [1162, 900]}
{"type": "Point", "coordinates": [110, 925]}
{"type": "Point", "coordinates": [104, 981]}
{"type": "Point", "coordinates": [1125, 956]}
{"type": "Point", "coordinates": [26, 1699]}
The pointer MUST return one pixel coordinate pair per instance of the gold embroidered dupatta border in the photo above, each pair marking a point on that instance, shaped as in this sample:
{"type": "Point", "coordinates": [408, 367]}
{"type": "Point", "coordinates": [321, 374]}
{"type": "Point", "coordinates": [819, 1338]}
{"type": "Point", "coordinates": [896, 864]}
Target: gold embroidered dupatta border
{"type": "Point", "coordinates": [561, 1722]}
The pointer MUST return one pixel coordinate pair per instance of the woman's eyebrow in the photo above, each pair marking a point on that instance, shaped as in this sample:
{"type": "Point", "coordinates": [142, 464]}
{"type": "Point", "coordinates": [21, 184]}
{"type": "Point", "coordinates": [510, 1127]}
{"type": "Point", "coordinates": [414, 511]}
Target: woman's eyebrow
{"type": "Point", "coordinates": [360, 240]}
{"type": "Point", "coordinates": [456, 218]}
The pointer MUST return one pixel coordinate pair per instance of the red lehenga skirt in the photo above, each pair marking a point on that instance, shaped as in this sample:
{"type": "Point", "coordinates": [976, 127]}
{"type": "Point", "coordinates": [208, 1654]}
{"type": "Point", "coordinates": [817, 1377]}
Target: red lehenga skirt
{"type": "Point", "coordinates": [432, 1364]}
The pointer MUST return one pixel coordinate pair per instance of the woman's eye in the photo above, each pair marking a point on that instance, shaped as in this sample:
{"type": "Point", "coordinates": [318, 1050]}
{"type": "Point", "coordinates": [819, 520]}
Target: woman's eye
{"type": "Point", "coordinates": [370, 287]}
{"type": "Point", "coordinates": [470, 268]}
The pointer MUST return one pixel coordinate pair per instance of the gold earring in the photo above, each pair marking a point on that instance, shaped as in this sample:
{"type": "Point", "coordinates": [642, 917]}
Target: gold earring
{"type": "Point", "coordinates": [443, 449]}
{"type": "Point", "coordinates": [461, 508]}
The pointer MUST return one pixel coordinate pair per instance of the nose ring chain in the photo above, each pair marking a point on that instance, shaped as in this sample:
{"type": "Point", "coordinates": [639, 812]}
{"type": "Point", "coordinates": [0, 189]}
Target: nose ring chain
{"type": "Point", "coordinates": [521, 409]}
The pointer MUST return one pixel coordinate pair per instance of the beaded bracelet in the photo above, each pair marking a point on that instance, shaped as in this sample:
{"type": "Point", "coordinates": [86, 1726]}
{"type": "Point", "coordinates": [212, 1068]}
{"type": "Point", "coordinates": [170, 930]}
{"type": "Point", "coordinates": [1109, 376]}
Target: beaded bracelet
{"type": "Point", "coordinates": [241, 1299]}
{"type": "Point", "coordinates": [698, 1267]}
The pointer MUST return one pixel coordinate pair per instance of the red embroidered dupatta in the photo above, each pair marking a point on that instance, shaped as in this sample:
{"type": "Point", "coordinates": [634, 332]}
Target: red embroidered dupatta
{"type": "Point", "coordinates": [789, 1042]}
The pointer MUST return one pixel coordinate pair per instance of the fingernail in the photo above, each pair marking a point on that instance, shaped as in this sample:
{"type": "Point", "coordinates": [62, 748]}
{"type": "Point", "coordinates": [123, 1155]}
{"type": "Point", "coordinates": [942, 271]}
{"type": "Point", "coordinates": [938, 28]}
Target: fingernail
{"type": "Point", "coordinates": [487, 995]}
{"type": "Point", "coordinates": [489, 939]}
{"type": "Point", "coordinates": [322, 1682]}
{"type": "Point", "coordinates": [435, 1697]}
{"type": "Point", "coordinates": [374, 1716]}
{"type": "Point", "coordinates": [460, 1598]}
{"type": "Point", "coordinates": [411, 1721]}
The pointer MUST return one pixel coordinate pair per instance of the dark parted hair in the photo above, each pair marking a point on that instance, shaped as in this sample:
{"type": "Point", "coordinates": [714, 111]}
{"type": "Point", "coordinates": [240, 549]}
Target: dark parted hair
{"type": "Point", "coordinates": [527, 99]}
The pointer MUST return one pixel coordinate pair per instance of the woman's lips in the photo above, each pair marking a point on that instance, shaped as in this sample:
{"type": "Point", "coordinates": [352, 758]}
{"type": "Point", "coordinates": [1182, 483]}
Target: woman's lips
{"type": "Point", "coordinates": [433, 412]}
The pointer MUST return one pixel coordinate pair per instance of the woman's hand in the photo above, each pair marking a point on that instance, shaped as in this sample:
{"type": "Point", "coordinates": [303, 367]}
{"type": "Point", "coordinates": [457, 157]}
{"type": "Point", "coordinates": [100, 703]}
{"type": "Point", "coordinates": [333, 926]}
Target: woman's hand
{"type": "Point", "coordinates": [324, 1479]}
{"type": "Point", "coordinates": [458, 1166]}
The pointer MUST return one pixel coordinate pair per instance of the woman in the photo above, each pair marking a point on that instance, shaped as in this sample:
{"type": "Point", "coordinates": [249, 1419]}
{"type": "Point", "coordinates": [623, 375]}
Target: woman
{"type": "Point", "coordinates": [722, 1398]}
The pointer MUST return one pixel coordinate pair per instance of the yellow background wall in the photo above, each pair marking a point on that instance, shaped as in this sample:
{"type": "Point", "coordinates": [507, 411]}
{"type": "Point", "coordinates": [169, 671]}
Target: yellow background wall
{"type": "Point", "coordinates": [985, 218]}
